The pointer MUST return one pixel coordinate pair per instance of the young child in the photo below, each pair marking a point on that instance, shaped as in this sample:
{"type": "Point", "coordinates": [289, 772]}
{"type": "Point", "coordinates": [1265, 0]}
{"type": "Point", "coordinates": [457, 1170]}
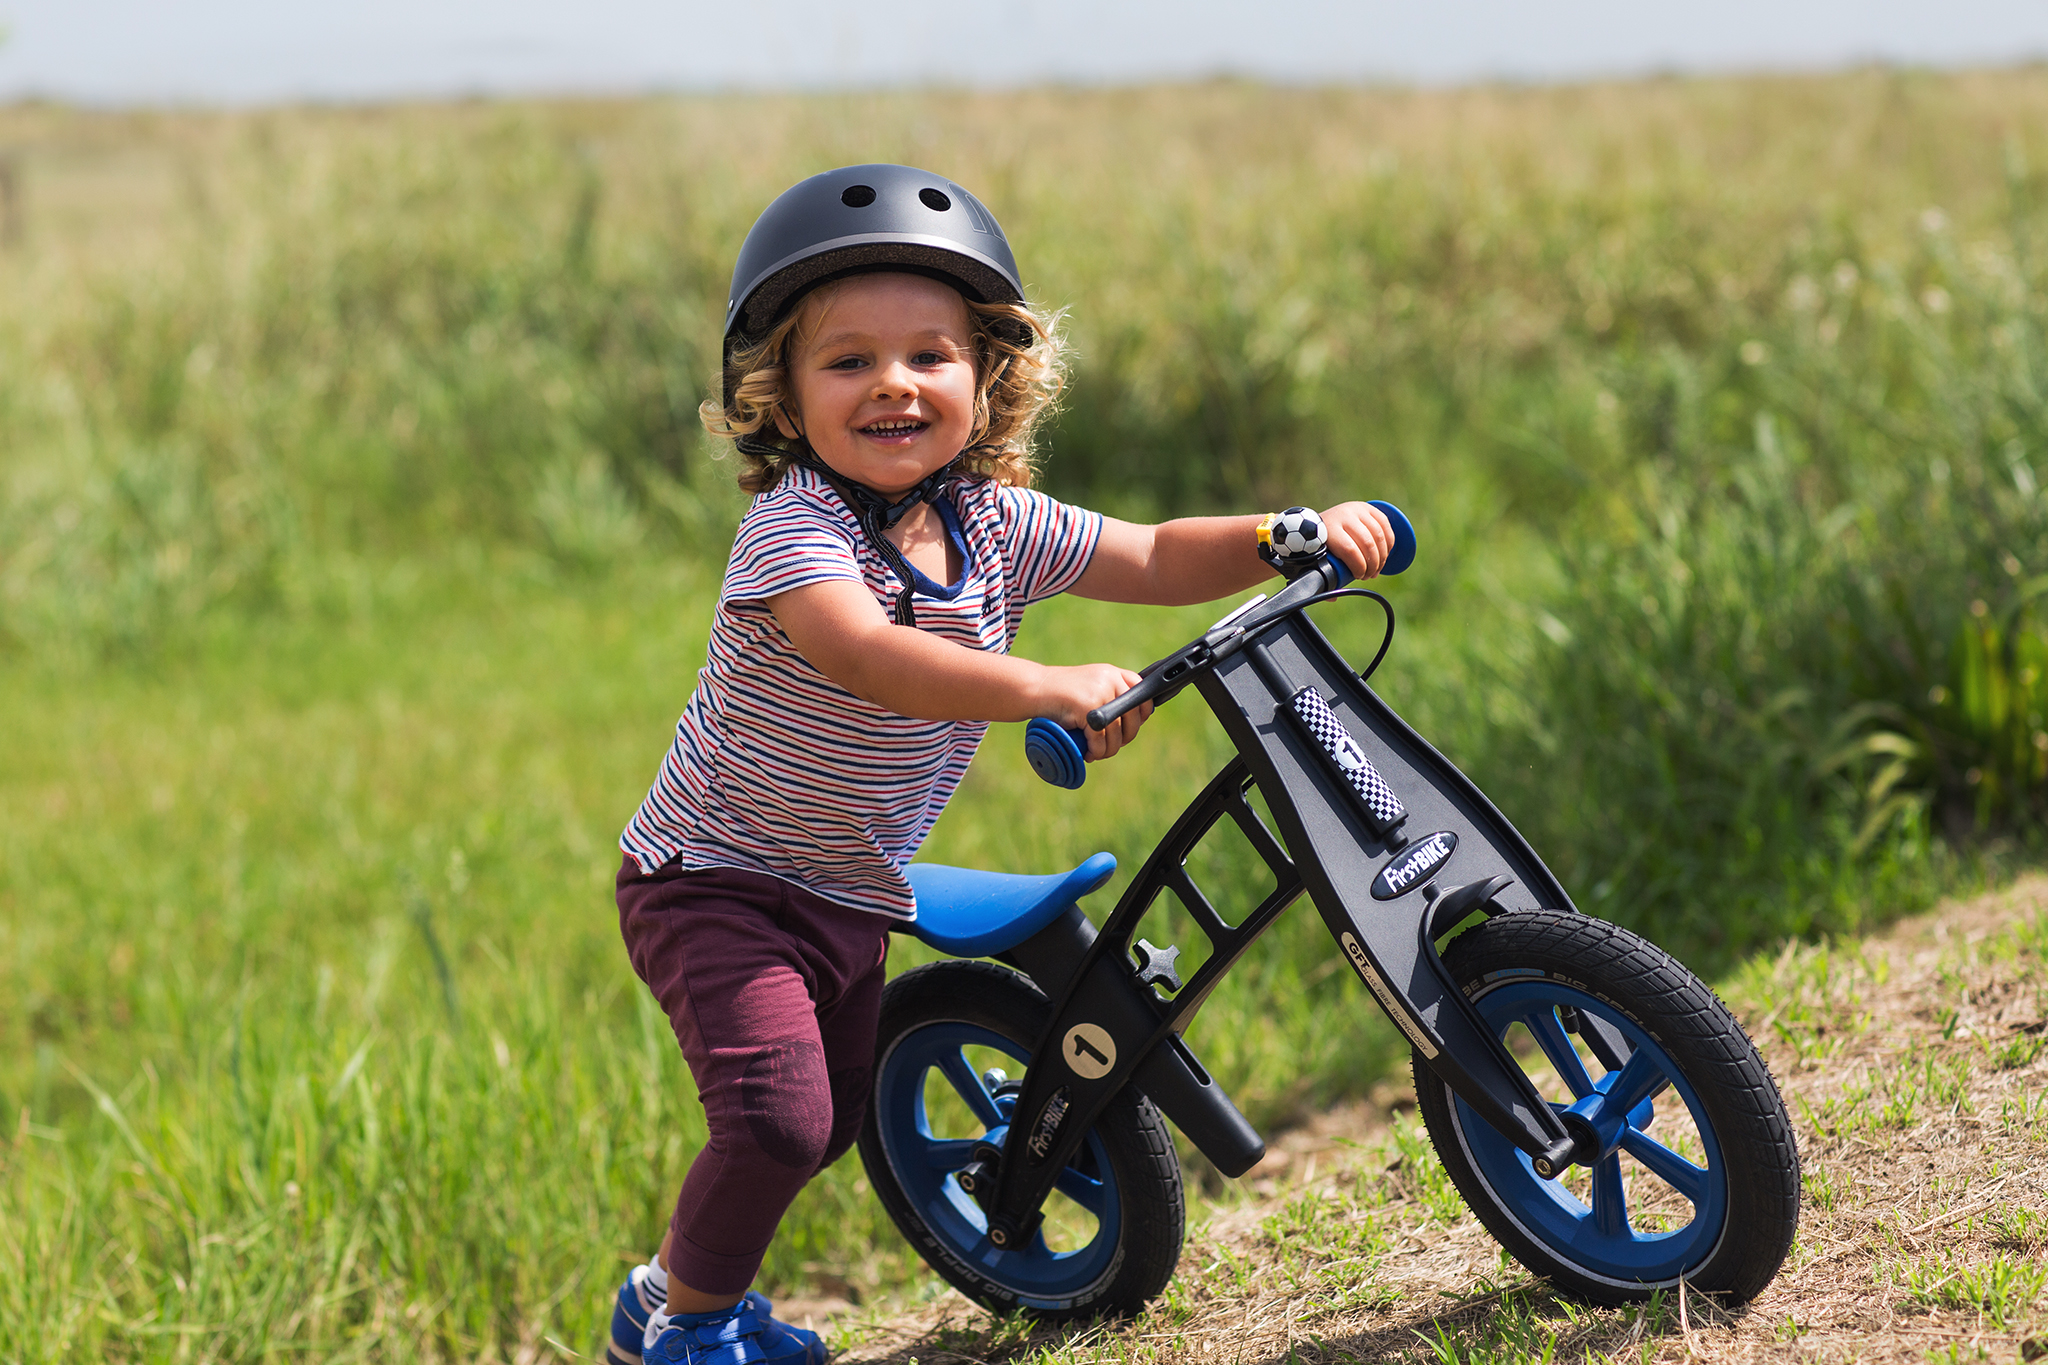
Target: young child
{"type": "Point", "coordinates": [881, 380]}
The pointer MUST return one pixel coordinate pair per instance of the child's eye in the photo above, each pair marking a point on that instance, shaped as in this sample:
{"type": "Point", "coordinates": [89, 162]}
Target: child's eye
{"type": "Point", "coordinates": [930, 358]}
{"type": "Point", "coordinates": [847, 362]}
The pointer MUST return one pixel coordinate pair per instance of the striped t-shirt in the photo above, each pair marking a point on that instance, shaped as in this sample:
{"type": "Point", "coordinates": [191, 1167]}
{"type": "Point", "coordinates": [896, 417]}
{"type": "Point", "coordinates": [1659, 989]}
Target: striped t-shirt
{"type": "Point", "coordinates": [778, 769]}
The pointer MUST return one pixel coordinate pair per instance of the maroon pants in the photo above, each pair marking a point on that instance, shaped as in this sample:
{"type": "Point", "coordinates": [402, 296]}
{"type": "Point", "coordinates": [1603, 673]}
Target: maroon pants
{"type": "Point", "coordinates": [774, 994]}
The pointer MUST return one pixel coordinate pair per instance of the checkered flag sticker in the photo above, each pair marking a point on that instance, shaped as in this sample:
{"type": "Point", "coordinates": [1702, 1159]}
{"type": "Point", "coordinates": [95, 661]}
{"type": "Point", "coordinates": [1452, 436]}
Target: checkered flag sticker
{"type": "Point", "coordinates": [1349, 760]}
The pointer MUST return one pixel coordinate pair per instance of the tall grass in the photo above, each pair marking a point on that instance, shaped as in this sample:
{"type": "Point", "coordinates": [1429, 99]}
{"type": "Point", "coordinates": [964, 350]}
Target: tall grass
{"type": "Point", "coordinates": [356, 536]}
{"type": "Point", "coordinates": [1806, 647]}
{"type": "Point", "coordinates": [238, 345]}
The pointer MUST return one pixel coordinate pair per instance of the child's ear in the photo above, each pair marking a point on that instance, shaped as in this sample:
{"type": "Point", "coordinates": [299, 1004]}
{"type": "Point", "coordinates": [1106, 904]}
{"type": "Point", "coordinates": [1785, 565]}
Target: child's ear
{"type": "Point", "coordinates": [789, 429]}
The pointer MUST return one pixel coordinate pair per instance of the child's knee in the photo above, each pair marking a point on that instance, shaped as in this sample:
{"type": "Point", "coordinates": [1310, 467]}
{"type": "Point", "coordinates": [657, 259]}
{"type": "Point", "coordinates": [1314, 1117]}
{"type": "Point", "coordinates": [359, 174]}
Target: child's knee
{"type": "Point", "coordinates": [786, 1100]}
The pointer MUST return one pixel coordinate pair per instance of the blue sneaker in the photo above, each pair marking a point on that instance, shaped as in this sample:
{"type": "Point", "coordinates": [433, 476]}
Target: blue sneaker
{"type": "Point", "coordinates": [732, 1337]}
{"type": "Point", "coordinates": [637, 1303]}
{"type": "Point", "coordinates": [782, 1344]}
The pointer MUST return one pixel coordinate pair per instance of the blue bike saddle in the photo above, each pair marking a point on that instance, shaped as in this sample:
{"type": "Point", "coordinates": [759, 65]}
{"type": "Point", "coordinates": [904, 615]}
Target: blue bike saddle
{"type": "Point", "coordinates": [975, 914]}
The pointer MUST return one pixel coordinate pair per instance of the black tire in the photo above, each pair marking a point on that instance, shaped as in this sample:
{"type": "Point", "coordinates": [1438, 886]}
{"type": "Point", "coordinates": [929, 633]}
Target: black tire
{"type": "Point", "coordinates": [939, 1014]}
{"type": "Point", "coordinates": [1743, 1195]}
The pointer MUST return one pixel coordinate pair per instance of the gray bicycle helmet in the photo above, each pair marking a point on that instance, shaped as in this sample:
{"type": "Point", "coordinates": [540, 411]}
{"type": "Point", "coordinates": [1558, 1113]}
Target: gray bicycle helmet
{"type": "Point", "coordinates": [858, 219]}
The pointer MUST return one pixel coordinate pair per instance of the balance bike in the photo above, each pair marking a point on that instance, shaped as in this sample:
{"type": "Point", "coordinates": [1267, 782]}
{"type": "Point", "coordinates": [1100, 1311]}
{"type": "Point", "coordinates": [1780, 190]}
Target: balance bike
{"type": "Point", "coordinates": [1598, 1108]}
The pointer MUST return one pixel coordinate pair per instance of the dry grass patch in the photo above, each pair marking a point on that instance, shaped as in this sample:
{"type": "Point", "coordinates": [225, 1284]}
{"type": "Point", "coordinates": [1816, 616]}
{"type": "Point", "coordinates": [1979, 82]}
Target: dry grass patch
{"type": "Point", "coordinates": [1914, 1066]}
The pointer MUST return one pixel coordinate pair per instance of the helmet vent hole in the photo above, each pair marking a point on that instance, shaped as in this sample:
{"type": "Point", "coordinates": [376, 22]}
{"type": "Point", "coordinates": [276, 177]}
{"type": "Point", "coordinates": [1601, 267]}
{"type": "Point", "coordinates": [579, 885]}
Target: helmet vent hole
{"type": "Point", "coordinates": [935, 200]}
{"type": "Point", "coordinates": [857, 196]}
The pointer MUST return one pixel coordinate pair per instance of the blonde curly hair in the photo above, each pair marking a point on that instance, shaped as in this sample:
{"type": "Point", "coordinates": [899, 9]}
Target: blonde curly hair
{"type": "Point", "coordinates": [1020, 368]}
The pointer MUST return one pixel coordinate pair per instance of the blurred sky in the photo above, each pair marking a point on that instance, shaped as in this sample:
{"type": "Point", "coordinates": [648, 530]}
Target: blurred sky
{"type": "Point", "coordinates": [244, 51]}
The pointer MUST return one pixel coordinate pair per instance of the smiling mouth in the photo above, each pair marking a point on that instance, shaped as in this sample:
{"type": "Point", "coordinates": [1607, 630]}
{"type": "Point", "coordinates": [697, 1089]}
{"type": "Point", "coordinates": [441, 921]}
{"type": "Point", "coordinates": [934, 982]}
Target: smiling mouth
{"type": "Point", "coordinates": [894, 426]}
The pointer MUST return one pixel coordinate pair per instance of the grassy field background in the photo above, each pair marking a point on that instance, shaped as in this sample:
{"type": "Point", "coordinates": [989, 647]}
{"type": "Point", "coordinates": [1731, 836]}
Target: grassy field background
{"type": "Point", "coordinates": [356, 544]}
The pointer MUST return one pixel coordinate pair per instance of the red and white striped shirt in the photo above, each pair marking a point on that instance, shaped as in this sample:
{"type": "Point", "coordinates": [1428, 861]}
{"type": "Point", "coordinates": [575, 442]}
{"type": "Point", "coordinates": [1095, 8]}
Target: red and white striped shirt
{"type": "Point", "coordinates": [778, 769]}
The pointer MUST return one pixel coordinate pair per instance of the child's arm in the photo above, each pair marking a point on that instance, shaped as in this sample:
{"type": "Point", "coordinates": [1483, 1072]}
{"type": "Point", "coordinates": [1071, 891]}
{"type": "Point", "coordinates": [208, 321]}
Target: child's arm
{"type": "Point", "coordinates": [1199, 559]}
{"type": "Point", "coordinates": [840, 628]}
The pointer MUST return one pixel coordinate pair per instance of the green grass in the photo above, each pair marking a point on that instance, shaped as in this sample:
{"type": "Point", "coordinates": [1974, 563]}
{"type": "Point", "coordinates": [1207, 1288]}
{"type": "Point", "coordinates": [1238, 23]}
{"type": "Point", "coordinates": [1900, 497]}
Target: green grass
{"type": "Point", "coordinates": [2002, 1289]}
{"type": "Point", "coordinates": [248, 1104]}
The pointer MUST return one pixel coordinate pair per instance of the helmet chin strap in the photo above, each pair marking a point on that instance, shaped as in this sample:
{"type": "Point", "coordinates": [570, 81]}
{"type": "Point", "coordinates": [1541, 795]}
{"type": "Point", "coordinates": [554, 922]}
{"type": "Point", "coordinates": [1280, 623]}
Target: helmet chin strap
{"type": "Point", "coordinates": [875, 512]}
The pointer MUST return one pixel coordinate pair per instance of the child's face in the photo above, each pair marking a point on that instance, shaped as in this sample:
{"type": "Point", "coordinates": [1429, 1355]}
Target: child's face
{"type": "Point", "coordinates": [882, 370]}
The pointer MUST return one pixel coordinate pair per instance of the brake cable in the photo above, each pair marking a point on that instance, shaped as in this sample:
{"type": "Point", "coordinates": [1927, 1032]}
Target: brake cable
{"type": "Point", "coordinates": [1386, 641]}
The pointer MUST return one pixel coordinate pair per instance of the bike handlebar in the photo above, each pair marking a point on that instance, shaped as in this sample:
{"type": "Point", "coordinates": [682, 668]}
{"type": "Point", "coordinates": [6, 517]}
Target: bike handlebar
{"type": "Point", "coordinates": [1058, 753]}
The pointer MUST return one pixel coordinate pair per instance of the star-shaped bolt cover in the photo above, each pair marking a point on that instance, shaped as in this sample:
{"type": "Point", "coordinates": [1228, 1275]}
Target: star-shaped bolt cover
{"type": "Point", "coordinates": [1156, 965]}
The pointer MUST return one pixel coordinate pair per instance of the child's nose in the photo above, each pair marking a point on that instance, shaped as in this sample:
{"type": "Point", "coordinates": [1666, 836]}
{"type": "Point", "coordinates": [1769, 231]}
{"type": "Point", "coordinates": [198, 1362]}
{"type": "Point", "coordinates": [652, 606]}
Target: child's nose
{"type": "Point", "coordinates": [895, 379]}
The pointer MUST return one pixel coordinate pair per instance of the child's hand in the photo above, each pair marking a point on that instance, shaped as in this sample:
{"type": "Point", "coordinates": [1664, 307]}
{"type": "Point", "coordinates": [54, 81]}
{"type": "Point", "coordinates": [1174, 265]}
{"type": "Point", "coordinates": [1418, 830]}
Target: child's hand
{"type": "Point", "coordinates": [1360, 535]}
{"type": "Point", "coordinates": [1071, 693]}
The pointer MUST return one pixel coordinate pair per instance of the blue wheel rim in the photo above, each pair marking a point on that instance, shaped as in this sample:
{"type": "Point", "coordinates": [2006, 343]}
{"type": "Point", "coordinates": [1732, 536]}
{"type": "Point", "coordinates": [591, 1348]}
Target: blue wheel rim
{"type": "Point", "coordinates": [1598, 1237]}
{"type": "Point", "coordinates": [924, 1164]}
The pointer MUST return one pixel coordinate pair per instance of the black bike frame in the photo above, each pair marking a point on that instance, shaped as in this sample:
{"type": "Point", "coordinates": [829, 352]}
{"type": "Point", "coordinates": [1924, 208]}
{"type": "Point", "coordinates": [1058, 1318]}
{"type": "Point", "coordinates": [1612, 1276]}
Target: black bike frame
{"type": "Point", "coordinates": [1109, 1022]}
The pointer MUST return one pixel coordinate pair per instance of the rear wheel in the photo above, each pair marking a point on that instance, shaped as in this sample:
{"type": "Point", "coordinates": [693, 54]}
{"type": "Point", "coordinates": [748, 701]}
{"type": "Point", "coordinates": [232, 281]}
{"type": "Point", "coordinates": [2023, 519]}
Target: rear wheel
{"type": "Point", "coordinates": [954, 1043]}
{"type": "Point", "coordinates": [1699, 1177]}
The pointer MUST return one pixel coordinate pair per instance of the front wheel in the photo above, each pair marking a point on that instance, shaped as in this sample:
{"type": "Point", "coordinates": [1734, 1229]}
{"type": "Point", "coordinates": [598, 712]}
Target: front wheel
{"type": "Point", "coordinates": [954, 1043]}
{"type": "Point", "coordinates": [1699, 1181]}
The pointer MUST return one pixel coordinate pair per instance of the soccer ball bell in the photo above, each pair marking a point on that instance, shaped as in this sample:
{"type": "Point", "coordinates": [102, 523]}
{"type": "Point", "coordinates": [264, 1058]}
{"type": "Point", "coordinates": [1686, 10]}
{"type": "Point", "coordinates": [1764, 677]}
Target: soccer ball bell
{"type": "Point", "coordinates": [1298, 534]}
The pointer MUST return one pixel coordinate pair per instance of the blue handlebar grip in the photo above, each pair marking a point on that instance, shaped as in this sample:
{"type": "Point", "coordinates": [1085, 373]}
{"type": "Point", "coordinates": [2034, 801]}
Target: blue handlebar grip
{"type": "Point", "coordinates": [1057, 754]}
{"type": "Point", "coordinates": [1404, 539]}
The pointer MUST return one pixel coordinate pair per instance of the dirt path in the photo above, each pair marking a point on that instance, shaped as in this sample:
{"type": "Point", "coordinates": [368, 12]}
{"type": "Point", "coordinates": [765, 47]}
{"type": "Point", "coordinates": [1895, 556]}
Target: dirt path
{"type": "Point", "coordinates": [1914, 1066]}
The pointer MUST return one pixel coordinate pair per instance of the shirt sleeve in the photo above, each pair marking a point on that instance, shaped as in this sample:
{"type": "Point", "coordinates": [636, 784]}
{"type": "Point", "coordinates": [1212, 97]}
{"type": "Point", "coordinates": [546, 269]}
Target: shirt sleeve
{"type": "Point", "coordinates": [787, 541]}
{"type": "Point", "coordinates": [1050, 542]}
